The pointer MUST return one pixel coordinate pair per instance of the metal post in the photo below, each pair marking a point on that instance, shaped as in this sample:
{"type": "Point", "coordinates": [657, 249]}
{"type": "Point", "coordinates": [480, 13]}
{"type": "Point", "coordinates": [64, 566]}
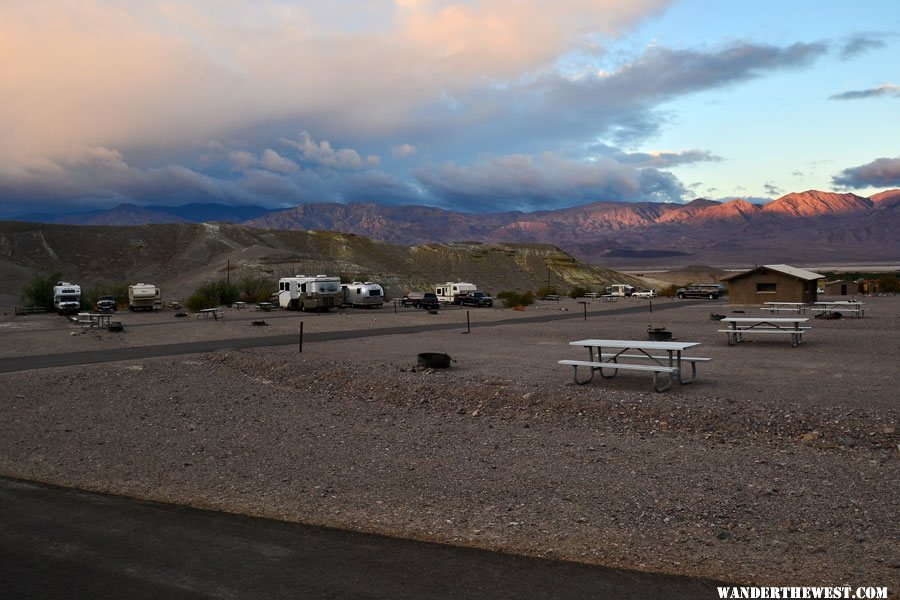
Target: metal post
{"type": "Point", "coordinates": [468, 325]}
{"type": "Point", "coordinates": [301, 336]}
{"type": "Point", "coordinates": [584, 304]}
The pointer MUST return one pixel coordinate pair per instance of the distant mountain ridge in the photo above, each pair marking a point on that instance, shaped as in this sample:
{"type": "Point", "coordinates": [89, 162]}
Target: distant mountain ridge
{"type": "Point", "coordinates": [805, 226]}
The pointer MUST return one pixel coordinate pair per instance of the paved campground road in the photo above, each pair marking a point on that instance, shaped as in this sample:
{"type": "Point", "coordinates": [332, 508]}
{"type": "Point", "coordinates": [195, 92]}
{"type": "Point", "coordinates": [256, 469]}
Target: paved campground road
{"type": "Point", "coordinates": [65, 543]}
{"type": "Point", "coordinates": [43, 361]}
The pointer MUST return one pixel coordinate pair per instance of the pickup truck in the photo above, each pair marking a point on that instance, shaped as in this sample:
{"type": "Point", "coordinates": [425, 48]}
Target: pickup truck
{"type": "Point", "coordinates": [644, 294]}
{"type": "Point", "coordinates": [475, 299]}
{"type": "Point", "coordinates": [711, 291]}
{"type": "Point", "coordinates": [106, 304]}
{"type": "Point", "coordinates": [428, 300]}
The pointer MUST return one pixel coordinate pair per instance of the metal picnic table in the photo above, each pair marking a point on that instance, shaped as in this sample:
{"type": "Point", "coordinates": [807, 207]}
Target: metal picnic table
{"type": "Point", "coordinates": [741, 326]}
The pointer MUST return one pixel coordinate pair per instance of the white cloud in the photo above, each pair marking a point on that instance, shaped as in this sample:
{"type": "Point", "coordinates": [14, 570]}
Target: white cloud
{"type": "Point", "coordinates": [404, 150]}
{"type": "Point", "coordinates": [322, 153]}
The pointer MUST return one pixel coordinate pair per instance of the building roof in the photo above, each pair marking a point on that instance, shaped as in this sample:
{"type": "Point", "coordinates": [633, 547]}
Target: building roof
{"type": "Point", "coordinates": [786, 269]}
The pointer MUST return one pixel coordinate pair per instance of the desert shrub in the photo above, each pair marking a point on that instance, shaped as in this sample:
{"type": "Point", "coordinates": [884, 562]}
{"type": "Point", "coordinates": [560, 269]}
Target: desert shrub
{"type": "Point", "coordinates": [667, 292]}
{"type": "Point", "coordinates": [888, 283]}
{"type": "Point", "coordinates": [39, 291]}
{"type": "Point", "coordinates": [211, 294]}
{"type": "Point", "coordinates": [578, 292]}
{"type": "Point", "coordinates": [255, 289]}
{"type": "Point", "coordinates": [548, 290]}
{"type": "Point", "coordinates": [512, 299]}
{"type": "Point", "coordinates": [119, 291]}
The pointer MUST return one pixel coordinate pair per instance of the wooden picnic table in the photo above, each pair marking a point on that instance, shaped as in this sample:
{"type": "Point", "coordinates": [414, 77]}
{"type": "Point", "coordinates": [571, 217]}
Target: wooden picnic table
{"type": "Point", "coordinates": [741, 326]}
{"type": "Point", "coordinates": [615, 355]}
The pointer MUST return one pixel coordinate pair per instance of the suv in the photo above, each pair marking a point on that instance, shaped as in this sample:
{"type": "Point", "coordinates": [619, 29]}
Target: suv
{"type": "Point", "coordinates": [476, 299]}
{"type": "Point", "coordinates": [427, 300]}
{"type": "Point", "coordinates": [706, 290]}
{"type": "Point", "coordinates": [106, 304]}
{"type": "Point", "coordinates": [644, 294]}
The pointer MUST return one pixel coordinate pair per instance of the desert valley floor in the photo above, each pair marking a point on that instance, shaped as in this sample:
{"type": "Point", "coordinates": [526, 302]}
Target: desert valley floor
{"type": "Point", "coordinates": [779, 465]}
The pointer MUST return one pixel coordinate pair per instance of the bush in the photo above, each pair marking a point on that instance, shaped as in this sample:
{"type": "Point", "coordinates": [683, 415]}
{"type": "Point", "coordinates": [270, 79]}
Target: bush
{"type": "Point", "coordinates": [888, 283]}
{"type": "Point", "coordinates": [255, 289]}
{"type": "Point", "coordinates": [578, 292]}
{"type": "Point", "coordinates": [39, 291]}
{"type": "Point", "coordinates": [667, 292]}
{"type": "Point", "coordinates": [512, 299]}
{"type": "Point", "coordinates": [548, 290]}
{"type": "Point", "coordinates": [212, 294]}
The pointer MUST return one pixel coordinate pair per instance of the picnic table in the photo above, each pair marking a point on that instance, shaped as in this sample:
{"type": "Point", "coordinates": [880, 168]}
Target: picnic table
{"type": "Point", "coordinates": [215, 313]}
{"type": "Point", "coordinates": [741, 326]}
{"type": "Point", "coordinates": [853, 307]}
{"type": "Point", "coordinates": [610, 298]}
{"type": "Point", "coordinates": [94, 319]}
{"type": "Point", "coordinates": [777, 307]}
{"type": "Point", "coordinates": [616, 355]}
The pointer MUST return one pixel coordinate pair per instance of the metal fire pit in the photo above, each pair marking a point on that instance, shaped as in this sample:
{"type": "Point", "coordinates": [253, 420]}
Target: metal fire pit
{"type": "Point", "coordinates": [434, 360]}
{"type": "Point", "coordinates": [658, 334]}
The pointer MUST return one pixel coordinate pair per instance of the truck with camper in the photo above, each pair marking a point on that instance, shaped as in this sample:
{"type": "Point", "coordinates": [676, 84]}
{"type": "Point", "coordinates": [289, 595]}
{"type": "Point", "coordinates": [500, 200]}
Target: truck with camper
{"type": "Point", "coordinates": [66, 298]}
{"type": "Point", "coordinates": [619, 289]}
{"type": "Point", "coordinates": [451, 291]}
{"type": "Point", "coordinates": [362, 294]}
{"type": "Point", "coordinates": [307, 292]}
{"type": "Point", "coordinates": [143, 296]}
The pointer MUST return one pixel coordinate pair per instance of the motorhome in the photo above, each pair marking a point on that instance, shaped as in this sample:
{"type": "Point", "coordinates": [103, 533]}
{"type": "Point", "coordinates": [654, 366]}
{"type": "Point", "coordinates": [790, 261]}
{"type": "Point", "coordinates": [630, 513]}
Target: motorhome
{"type": "Point", "coordinates": [451, 291]}
{"type": "Point", "coordinates": [619, 289]}
{"type": "Point", "coordinates": [359, 293]}
{"type": "Point", "coordinates": [66, 297]}
{"type": "Point", "coordinates": [304, 292]}
{"type": "Point", "coordinates": [143, 296]}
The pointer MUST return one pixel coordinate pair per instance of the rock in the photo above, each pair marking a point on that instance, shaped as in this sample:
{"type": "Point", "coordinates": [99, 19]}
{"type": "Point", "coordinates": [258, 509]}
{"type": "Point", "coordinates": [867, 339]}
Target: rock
{"type": "Point", "coordinates": [723, 535]}
{"type": "Point", "coordinates": [810, 436]}
{"type": "Point", "coordinates": [849, 441]}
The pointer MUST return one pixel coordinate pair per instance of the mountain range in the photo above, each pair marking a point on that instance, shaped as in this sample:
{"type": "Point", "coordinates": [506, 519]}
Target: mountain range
{"type": "Point", "coordinates": [808, 227]}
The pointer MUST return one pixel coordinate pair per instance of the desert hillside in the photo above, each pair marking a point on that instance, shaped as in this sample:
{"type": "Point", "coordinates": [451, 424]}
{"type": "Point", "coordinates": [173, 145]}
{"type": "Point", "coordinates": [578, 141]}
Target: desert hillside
{"type": "Point", "coordinates": [178, 257]}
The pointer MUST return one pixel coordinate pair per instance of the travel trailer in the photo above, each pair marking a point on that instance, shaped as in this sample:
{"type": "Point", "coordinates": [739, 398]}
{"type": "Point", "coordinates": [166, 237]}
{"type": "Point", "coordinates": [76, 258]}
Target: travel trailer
{"type": "Point", "coordinates": [360, 293]}
{"type": "Point", "coordinates": [66, 297]}
{"type": "Point", "coordinates": [309, 293]}
{"type": "Point", "coordinates": [619, 289]}
{"type": "Point", "coordinates": [143, 296]}
{"type": "Point", "coordinates": [451, 291]}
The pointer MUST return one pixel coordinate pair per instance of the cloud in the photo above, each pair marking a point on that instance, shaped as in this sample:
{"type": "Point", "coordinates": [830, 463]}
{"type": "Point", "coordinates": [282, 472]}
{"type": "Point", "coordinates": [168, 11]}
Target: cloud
{"type": "Point", "coordinates": [887, 89]}
{"type": "Point", "coordinates": [523, 182]}
{"type": "Point", "coordinates": [322, 153]}
{"type": "Point", "coordinates": [881, 172]}
{"type": "Point", "coordinates": [772, 189]}
{"type": "Point", "coordinates": [660, 159]}
{"type": "Point", "coordinates": [404, 150]}
{"type": "Point", "coordinates": [860, 44]}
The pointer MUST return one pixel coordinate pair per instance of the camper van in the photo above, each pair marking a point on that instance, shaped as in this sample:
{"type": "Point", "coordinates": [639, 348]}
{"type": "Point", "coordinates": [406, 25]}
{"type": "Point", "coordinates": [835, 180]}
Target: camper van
{"type": "Point", "coordinates": [143, 296]}
{"type": "Point", "coordinates": [66, 297]}
{"type": "Point", "coordinates": [451, 291]}
{"type": "Point", "coordinates": [358, 293]}
{"type": "Point", "coordinates": [309, 293]}
{"type": "Point", "coordinates": [619, 289]}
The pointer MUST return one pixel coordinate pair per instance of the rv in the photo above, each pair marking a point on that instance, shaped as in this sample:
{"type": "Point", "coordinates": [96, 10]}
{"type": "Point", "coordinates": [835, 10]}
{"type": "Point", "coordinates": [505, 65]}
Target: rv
{"type": "Point", "coordinates": [361, 293]}
{"type": "Point", "coordinates": [619, 289]}
{"type": "Point", "coordinates": [66, 297]}
{"type": "Point", "coordinates": [309, 293]}
{"type": "Point", "coordinates": [451, 291]}
{"type": "Point", "coordinates": [143, 296]}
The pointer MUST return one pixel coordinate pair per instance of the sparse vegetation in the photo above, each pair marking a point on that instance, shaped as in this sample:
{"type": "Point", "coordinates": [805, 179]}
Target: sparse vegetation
{"type": "Point", "coordinates": [667, 292]}
{"type": "Point", "coordinates": [511, 299]}
{"type": "Point", "coordinates": [548, 290]}
{"type": "Point", "coordinates": [255, 289]}
{"type": "Point", "coordinates": [888, 283]}
{"type": "Point", "coordinates": [578, 292]}
{"type": "Point", "coordinates": [212, 294]}
{"type": "Point", "coordinates": [39, 291]}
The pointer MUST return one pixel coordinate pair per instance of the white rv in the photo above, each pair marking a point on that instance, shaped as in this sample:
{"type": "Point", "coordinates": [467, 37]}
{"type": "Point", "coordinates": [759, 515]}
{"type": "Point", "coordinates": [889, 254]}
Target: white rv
{"type": "Point", "coordinates": [619, 289]}
{"type": "Point", "coordinates": [451, 291]}
{"type": "Point", "coordinates": [361, 293]}
{"type": "Point", "coordinates": [309, 293]}
{"type": "Point", "coordinates": [143, 296]}
{"type": "Point", "coordinates": [66, 297]}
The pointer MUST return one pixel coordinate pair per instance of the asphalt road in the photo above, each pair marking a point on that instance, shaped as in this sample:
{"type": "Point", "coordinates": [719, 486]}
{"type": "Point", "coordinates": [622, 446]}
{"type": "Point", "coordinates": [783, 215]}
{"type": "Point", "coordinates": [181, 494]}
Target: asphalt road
{"type": "Point", "coordinates": [63, 543]}
{"type": "Point", "coordinates": [43, 361]}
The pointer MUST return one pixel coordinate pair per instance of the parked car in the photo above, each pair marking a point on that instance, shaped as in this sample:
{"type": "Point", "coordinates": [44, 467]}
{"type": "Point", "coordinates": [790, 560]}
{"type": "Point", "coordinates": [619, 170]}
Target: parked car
{"type": "Point", "coordinates": [428, 300]}
{"type": "Point", "coordinates": [644, 294]}
{"type": "Point", "coordinates": [711, 291]}
{"type": "Point", "coordinates": [476, 299]}
{"type": "Point", "coordinates": [106, 304]}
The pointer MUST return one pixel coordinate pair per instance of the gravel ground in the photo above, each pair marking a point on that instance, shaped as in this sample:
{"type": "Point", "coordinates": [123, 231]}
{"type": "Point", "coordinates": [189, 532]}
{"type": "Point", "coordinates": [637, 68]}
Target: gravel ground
{"type": "Point", "coordinates": [778, 466]}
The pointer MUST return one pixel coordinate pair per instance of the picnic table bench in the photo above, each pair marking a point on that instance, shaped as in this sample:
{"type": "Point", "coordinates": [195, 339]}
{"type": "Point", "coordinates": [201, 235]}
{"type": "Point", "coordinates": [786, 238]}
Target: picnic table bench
{"type": "Point", "coordinates": [670, 363]}
{"type": "Point", "coordinates": [215, 313]}
{"type": "Point", "coordinates": [741, 326]}
{"type": "Point", "coordinates": [791, 307]}
{"type": "Point", "coordinates": [853, 307]}
{"type": "Point", "coordinates": [92, 320]}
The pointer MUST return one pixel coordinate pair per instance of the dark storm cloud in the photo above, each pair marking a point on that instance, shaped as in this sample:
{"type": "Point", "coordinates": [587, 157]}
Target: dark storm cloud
{"type": "Point", "coordinates": [881, 172]}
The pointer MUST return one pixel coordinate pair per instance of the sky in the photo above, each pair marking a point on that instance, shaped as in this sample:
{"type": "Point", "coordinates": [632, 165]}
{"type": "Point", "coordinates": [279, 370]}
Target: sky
{"type": "Point", "coordinates": [478, 106]}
